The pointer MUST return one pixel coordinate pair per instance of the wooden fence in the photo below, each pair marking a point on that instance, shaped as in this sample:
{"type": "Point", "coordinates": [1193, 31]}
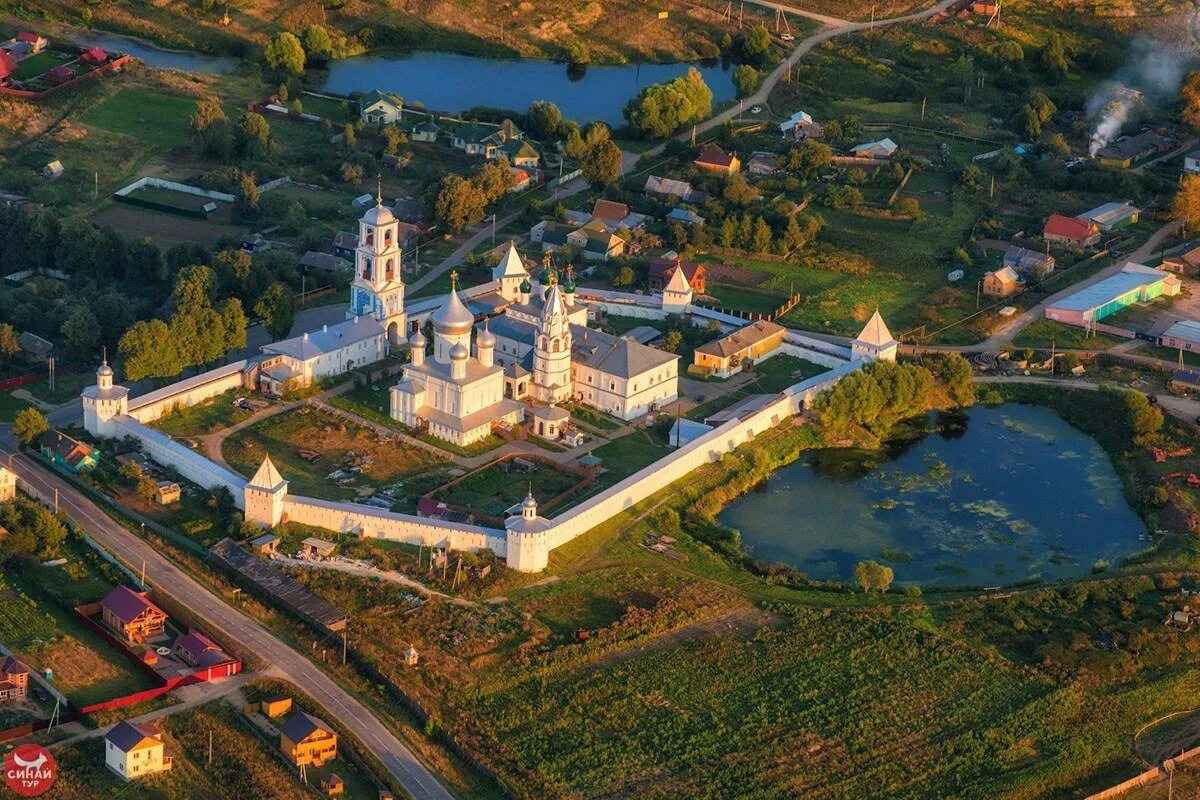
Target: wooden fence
{"type": "Point", "coordinates": [1152, 775]}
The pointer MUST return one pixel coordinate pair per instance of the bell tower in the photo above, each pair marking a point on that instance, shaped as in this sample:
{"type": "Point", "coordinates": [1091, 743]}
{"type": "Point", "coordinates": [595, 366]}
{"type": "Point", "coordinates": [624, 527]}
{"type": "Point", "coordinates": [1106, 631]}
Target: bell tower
{"type": "Point", "coordinates": [104, 402]}
{"type": "Point", "coordinates": [378, 290]}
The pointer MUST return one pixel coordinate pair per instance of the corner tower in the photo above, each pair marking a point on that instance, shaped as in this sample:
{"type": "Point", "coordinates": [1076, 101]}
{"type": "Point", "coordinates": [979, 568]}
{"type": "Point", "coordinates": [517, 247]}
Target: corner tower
{"type": "Point", "coordinates": [264, 496]}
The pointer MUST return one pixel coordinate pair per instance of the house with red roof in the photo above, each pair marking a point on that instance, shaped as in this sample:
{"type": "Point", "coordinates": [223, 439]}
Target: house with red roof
{"type": "Point", "coordinates": [1071, 230]}
{"type": "Point", "coordinates": [132, 616]}
{"type": "Point", "coordinates": [14, 679]}
{"type": "Point", "coordinates": [94, 57]}
{"type": "Point", "coordinates": [714, 159]}
{"type": "Point", "coordinates": [36, 42]}
{"type": "Point", "coordinates": [59, 75]}
{"type": "Point", "coordinates": [205, 655]}
{"type": "Point", "coordinates": [664, 266]}
{"type": "Point", "coordinates": [8, 66]}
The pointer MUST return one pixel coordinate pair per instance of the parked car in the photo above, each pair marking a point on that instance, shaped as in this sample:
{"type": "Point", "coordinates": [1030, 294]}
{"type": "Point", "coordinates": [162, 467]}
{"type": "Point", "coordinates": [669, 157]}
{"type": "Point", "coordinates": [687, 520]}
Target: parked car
{"type": "Point", "coordinates": [756, 110]}
{"type": "Point", "coordinates": [787, 37]}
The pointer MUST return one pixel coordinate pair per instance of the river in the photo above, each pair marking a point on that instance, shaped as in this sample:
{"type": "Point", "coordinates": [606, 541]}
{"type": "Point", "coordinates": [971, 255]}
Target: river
{"type": "Point", "coordinates": [990, 497]}
{"type": "Point", "coordinates": [452, 83]}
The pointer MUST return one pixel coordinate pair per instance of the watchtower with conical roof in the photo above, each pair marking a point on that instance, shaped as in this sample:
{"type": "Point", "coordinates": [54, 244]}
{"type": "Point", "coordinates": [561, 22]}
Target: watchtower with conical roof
{"type": "Point", "coordinates": [264, 496]}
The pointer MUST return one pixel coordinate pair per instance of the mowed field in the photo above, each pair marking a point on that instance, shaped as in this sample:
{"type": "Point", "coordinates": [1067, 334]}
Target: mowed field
{"type": "Point", "coordinates": [155, 118]}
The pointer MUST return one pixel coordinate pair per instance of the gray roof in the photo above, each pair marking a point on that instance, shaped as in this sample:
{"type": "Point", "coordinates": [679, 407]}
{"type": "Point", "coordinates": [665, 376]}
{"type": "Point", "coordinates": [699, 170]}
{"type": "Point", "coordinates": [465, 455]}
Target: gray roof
{"type": "Point", "coordinates": [506, 327]}
{"type": "Point", "coordinates": [328, 339]}
{"type": "Point", "coordinates": [1186, 329]}
{"type": "Point", "coordinates": [615, 355]}
{"type": "Point", "coordinates": [300, 725]}
{"type": "Point", "coordinates": [1109, 289]}
{"type": "Point", "coordinates": [126, 735]}
{"type": "Point", "coordinates": [375, 96]}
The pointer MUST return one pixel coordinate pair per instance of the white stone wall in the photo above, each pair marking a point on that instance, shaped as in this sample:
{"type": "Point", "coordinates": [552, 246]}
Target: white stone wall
{"type": "Point", "coordinates": [187, 462]}
{"type": "Point", "coordinates": [379, 524]}
{"type": "Point", "coordinates": [152, 405]}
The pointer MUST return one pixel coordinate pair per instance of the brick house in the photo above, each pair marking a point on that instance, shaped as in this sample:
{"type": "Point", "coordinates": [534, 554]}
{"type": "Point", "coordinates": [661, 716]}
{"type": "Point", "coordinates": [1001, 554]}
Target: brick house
{"type": "Point", "coordinates": [14, 680]}
{"type": "Point", "coordinates": [664, 266]}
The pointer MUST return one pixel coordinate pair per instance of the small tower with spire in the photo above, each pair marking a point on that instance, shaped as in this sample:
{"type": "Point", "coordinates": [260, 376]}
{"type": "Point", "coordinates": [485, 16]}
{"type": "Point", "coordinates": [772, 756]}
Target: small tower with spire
{"type": "Point", "coordinates": [104, 402]}
{"type": "Point", "coordinates": [264, 496]}
{"type": "Point", "coordinates": [528, 545]}
{"type": "Point", "coordinates": [677, 294]}
{"type": "Point", "coordinates": [378, 290]}
{"type": "Point", "coordinates": [510, 274]}
{"type": "Point", "coordinates": [875, 342]}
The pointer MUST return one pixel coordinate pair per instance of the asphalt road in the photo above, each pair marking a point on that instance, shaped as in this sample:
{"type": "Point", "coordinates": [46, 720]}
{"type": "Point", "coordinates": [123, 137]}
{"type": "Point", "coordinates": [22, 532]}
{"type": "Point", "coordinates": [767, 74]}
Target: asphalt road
{"type": "Point", "coordinates": [283, 660]}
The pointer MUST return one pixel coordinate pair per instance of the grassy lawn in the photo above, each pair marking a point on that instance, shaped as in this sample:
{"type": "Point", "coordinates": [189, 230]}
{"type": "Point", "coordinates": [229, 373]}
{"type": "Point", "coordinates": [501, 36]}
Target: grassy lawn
{"type": "Point", "coordinates": [1169, 354]}
{"type": "Point", "coordinates": [158, 119]}
{"type": "Point", "coordinates": [372, 402]}
{"type": "Point", "coordinates": [772, 376]}
{"type": "Point", "coordinates": [67, 386]}
{"type": "Point", "coordinates": [210, 416]}
{"type": "Point", "coordinates": [621, 458]}
{"type": "Point", "coordinates": [35, 65]}
{"type": "Point", "coordinates": [493, 490]}
{"type": "Point", "coordinates": [339, 445]}
{"type": "Point", "coordinates": [1044, 333]}
{"type": "Point", "coordinates": [10, 406]}
{"type": "Point", "coordinates": [740, 299]}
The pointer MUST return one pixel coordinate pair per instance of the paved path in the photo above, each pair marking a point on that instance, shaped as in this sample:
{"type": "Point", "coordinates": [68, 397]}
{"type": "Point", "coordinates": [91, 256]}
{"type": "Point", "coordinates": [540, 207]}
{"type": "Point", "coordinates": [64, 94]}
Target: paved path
{"type": "Point", "coordinates": [205, 692]}
{"type": "Point", "coordinates": [170, 579]}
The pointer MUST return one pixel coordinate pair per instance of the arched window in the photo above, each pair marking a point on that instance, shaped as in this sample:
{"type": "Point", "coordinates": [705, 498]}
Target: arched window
{"type": "Point", "coordinates": [390, 272]}
{"type": "Point", "coordinates": [556, 346]}
{"type": "Point", "coordinates": [370, 236]}
{"type": "Point", "coordinates": [387, 236]}
{"type": "Point", "coordinates": [366, 273]}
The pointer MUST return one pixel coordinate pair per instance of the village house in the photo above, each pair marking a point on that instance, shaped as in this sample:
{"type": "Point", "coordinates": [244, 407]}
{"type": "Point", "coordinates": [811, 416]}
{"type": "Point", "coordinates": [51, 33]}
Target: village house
{"type": "Point", "coordinates": [376, 108]}
{"type": "Point", "coordinates": [328, 262]}
{"type": "Point", "coordinates": [616, 216]}
{"type": "Point", "coordinates": [1126, 152]}
{"type": "Point", "coordinates": [167, 492]}
{"type": "Point", "coordinates": [1071, 230]}
{"type": "Point", "coordinates": [762, 163]}
{"type": "Point", "coordinates": [672, 189]}
{"type": "Point", "coordinates": [70, 454]}
{"type": "Point", "coordinates": [34, 349]}
{"type": "Point", "coordinates": [664, 266]}
{"type": "Point", "coordinates": [314, 548]}
{"type": "Point", "coordinates": [520, 153]}
{"type": "Point", "coordinates": [1111, 216]}
{"type": "Point", "coordinates": [8, 484]}
{"type": "Point", "coordinates": [1191, 162]}
{"type": "Point", "coordinates": [344, 244]}
{"type": "Point", "coordinates": [1002, 282]}
{"type": "Point", "coordinates": [426, 131]}
{"type": "Point", "coordinates": [1186, 263]}
{"type": "Point", "coordinates": [714, 159]}
{"type": "Point", "coordinates": [14, 680]}
{"type": "Point", "coordinates": [52, 171]}
{"type": "Point", "coordinates": [266, 544]}
{"type": "Point", "coordinates": [882, 149]}
{"type": "Point", "coordinates": [801, 126]}
{"type": "Point", "coordinates": [276, 706]}
{"type": "Point", "coordinates": [521, 179]}
{"type": "Point", "coordinates": [727, 356]}
{"type": "Point", "coordinates": [685, 216]}
{"type": "Point", "coordinates": [1182, 335]}
{"type": "Point", "coordinates": [93, 57]}
{"type": "Point", "coordinates": [33, 43]}
{"type": "Point", "coordinates": [593, 239]}
{"type": "Point", "coordinates": [56, 76]}
{"type": "Point", "coordinates": [1029, 263]}
{"type": "Point", "coordinates": [197, 650]}
{"type": "Point", "coordinates": [476, 139]}
{"type": "Point", "coordinates": [333, 785]}
{"type": "Point", "coordinates": [132, 617]}
{"type": "Point", "coordinates": [135, 750]}
{"type": "Point", "coordinates": [305, 739]}
{"type": "Point", "coordinates": [8, 67]}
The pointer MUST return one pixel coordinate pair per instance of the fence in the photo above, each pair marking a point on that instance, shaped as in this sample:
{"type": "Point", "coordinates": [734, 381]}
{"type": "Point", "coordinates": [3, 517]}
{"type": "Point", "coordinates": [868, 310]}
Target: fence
{"type": "Point", "coordinates": [112, 66]}
{"type": "Point", "coordinates": [1149, 776]}
{"type": "Point", "coordinates": [125, 195]}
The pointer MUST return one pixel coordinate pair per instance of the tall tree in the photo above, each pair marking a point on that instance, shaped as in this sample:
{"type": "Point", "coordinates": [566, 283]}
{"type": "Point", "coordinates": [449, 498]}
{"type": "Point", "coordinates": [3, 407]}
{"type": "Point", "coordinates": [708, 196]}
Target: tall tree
{"type": "Point", "coordinates": [317, 44]}
{"type": "Point", "coordinates": [149, 351]}
{"type": "Point", "coordinates": [82, 331]}
{"type": "Point", "coordinates": [145, 266]}
{"type": "Point", "coordinates": [601, 164]}
{"type": "Point", "coordinates": [277, 308]}
{"type": "Point", "coordinates": [543, 119]}
{"type": "Point", "coordinates": [285, 53]}
{"type": "Point", "coordinates": [458, 202]}
{"type": "Point", "coordinates": [1186, 203]}
{"type": "Point", "coordinates": [253, 135]}
{"type": "Point", "coordinates": [28, 425]}
{"type": "Point", "coordinates": [9, 345]}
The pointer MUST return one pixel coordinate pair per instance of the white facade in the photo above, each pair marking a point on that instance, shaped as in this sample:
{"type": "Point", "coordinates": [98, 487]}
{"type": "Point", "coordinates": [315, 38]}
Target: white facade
{"type": "Point", "coordinates": [8, 485]}
{"type": "Point", "coordinates": [134, 751]}
{"type": "Point", "coordinates": [875, 342]}
{"type": "Point", "coordinates": [103, 403]}
{"type": "Point", "coordinates": [378, 290]}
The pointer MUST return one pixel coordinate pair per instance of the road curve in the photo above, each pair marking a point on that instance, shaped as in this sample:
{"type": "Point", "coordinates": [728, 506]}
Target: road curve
{"type": "Point", "coordinates": [173, 581]}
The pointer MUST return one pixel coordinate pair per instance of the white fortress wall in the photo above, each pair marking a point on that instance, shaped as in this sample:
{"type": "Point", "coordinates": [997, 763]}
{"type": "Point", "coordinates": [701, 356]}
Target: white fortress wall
{"type": "Point", "coordinates": [375, 523]}
{"type": "Point", "coordinates": [187, 462]}
{"type": "Point", "coordinates": [188, 392]}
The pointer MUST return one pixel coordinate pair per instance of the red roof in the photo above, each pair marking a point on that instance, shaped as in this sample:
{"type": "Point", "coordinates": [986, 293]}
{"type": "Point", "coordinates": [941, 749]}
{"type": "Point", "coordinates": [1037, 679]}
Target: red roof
{"type": "Point", "coordinates": [610, 210]}
{"type": "Point", "coordinates": [127, 605]}
{"type": "Point", "coordinates": [26, 36]}
{"type": "Point", "coordinates": [665, 268]}
{"type": "Point", "coordinates": [7, 65]}
{"type": "Point", "coordinates": [60, 74]}
{"type": "Point", "coordinates": [715, 156]}
{"type": "Point", "coordinates": [94, 56]}
{"type": "Point", "coordinates": [1069, 228]}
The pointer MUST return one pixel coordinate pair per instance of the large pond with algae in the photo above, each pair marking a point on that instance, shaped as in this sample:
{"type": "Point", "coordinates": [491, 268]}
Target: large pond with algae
{"type": "Point", "coordinates": [987, 497]}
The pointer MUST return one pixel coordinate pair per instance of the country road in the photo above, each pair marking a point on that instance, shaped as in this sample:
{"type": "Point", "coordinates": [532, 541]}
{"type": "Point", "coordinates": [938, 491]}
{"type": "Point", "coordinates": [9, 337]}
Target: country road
{"type": "Point", "coordinates": [180, 586]}
{"type": "Point", "coordinates": [1182, 408]}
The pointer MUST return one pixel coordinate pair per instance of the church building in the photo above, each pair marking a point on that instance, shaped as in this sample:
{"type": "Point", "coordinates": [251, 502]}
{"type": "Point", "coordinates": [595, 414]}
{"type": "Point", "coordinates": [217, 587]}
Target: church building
{"type": "Point", "coordinates": [457, 395]}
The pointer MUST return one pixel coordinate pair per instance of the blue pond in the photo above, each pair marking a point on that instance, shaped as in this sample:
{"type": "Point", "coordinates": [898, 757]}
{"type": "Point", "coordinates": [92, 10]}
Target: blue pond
{"type": "Point", "coordinates": [453, 83]}
{"type": "Point", "coordinates": [991, 497]}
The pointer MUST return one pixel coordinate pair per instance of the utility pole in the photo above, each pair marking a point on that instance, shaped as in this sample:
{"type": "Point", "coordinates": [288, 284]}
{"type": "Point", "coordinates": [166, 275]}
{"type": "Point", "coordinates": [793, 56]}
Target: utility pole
{"type": "Point", "coordinates": [50, 376]}
{"type": "Point", "coordinates": [210, 742]}
{"type": "Point", "coordinates": [343, 646]}
{"type": "Point", "coordinates": [923, 102]}
{"type": "Point", "coordinates": [142, 580]}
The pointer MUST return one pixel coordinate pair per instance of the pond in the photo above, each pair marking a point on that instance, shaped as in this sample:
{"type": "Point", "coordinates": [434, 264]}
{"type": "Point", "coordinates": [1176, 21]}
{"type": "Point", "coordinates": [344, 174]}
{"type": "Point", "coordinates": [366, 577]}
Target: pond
{"type": "Point", "coordinates": [452, 83]}
{"type": "Point", "coordinates": [158, 57]}
{"type": "Point", "coordinates": [989, 497]}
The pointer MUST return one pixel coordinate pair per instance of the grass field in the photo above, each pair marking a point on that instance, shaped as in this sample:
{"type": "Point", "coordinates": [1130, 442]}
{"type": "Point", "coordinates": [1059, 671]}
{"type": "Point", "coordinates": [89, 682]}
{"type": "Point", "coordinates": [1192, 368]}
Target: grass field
{"type": "Point", "coordinates": [210, 416]}
{"type": "Point", "coordinates": [284, 435]}
{"type": "Point", "coordinates": [493, 489]}
{"type": "Point", "coordinates": [1044, 333]}
{"type": "Point", "coordinates": [155, 118]}
{"type": "Point", "coordinates": [10, 406]}
{"type": "Point", "coordinates": [37, 64]}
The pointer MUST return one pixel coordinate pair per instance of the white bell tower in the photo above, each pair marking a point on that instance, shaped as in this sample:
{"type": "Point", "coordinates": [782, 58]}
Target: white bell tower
{"type": "Point", "coordinates": [104, 402]}
{"type": "Point", "coordinates": [378, 289]}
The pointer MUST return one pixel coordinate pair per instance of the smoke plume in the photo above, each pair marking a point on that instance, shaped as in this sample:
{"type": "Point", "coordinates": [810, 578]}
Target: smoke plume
{"type": "Point", "coordinates": [1153, 74]}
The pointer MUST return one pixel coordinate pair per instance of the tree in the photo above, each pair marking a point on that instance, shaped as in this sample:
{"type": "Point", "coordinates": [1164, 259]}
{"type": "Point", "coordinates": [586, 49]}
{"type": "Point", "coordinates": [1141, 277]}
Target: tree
{"type": "Point", "coordinates": [738, 191]}
{"type": "Point", "coordinates": [349, 138]}
{"type": "Point", "coordinates": [317, 44]}
{"type": "Point", "coordinates": [394, 139]}
{"type": "Point", "coordinates": [856, 176]}
{"type": "Point", "coordinates": [910, 207]}
{"type": "Point", "coordinates": [1186, 203]}
{"type": "Point", "coordinates": [763, 237]}
{"type": "Point", "coordinates": [855, 400]}
{"type": "Point", "coordinates": [82, 331]}
{"type": "Point", "coordinates": [543, 119]}
{"type": "Point", "coordinates": [210, 126]}
{"type": "Point", "coordinates": [10, 345]}
{"type": "Point", "coordinates": [252, 135]}
{"type": "Point", "coordinates": [873, 576]}
{"type": "Point", "coordinates": [745, 79]}
{"type": "Point", "coordinates": [285, 53]}
{"type": "Point", "coordinates": [1054, 57]}
{"type": "Point", "coordinates": [624, 277]}
{"type": "Point", "coordinates": [295, 221]}
{"type": "Point", "coordinates": [756, 46]}
{"type": "Point", "coordinates": [1035, 113]}
{"type": "Point", "coordinates": [28, 425]}
{"type": "Point", "coordinates": [971, 178]}
{"type": "Point", "coordinates": [1009, 52]}
{"type": "Point", "coordinates": [1190, 95]}
{"type": "Point", "coordinates": [233, 324]}
{"type": "Point", "coordinates": [277, 308]}
{"type": "Point", "coordinates": [601, 164]}
{"type": "Point", "coordinates": [808, 159]}
{"type": "Point", "coordinates": [728, 233]}
{"type": "Point", "coordinates": [351, 173]}
{"type": "Point", "coordinates": [247, 197]}
{"type": "Point", "coordinates": [145, 265]}
{"type": "Point", "coordinates": [801, 230]}
{"type": "Point", "coordinates": [663, 108]}
{"type": "Point", "coordinates": [672, 341]}
{"type": "Point", "coordinates": [955, 372]}
{"type": "Point", "coordinates": [1057, 144]}
{"type": "Point", "coordinates": [494, 179]}
{"type": "Point", "coordinates": [458, 202]}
